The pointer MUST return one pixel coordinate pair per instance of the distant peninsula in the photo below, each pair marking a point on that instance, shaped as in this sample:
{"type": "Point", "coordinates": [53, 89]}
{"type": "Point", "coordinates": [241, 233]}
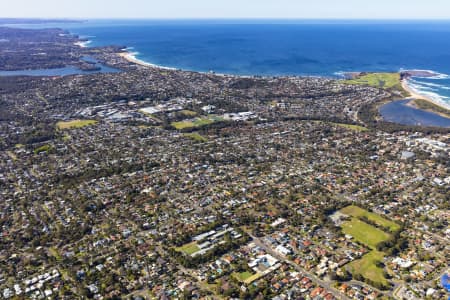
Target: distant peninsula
{"type": "Point", "coordinates": [36, 21]}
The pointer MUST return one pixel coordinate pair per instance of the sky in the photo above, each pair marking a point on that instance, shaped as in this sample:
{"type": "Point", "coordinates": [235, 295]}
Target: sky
{"type": "Point", "coordinates": [209, 9]}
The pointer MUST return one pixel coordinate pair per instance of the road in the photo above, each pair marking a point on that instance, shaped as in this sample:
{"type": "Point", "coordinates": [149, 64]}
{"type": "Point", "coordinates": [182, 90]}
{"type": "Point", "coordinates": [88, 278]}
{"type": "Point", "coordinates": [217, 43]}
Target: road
{"type": "Point", "coordinates": [313, 277]}
{"type": "Point", "coordinates": [188, 273]}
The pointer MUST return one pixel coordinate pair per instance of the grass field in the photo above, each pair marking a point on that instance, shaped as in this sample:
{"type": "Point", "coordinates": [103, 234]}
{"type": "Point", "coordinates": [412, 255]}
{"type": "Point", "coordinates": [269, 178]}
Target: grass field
{"type": "Point", "coordinates": [41, 149]}
{"type": "Point", "coordinates": [356, 211]}
{"type": "Point", "coordinates": [197, 122]}
{"type": "Point", "coordinates": [253, 278]}
{"type": "Point", "coordinates": [74, 124]}
{"type": "Point", "coordinates": [189, 113]}
{"type": "Point", "coordinates": [364, 233]}
{"type": "Point", "coordinates": [367, 267]}
{"type": "Point", "coordinates": [352, 127]}
{"type": "Point", "coordinates": [343, 125]}
{"type": "Point", "coordinates": [379, 80]}
{"type": "Point", "coordinates": [196, 137]}
{"type": "Point", "coordinates": [192, 123]}
{"type": "Point", "coordinates": [242, 277]}
{"type": "Point", "coordinates": [371, 237]}
{"type": "Point", "coordinates": [189, 249]}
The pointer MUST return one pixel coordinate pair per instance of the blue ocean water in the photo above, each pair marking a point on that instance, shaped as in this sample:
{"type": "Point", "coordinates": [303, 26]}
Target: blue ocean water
{"type": "Point", "coordinates": [273, 47]}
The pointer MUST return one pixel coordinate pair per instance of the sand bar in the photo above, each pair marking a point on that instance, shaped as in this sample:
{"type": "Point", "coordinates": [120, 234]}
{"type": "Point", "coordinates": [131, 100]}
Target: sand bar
{"type": "Point", "coordinates": [416, 95]}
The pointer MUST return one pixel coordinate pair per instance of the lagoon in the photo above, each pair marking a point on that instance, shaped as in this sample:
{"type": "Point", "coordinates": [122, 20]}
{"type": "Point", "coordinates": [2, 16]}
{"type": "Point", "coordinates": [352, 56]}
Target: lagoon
{"type": "Point", "coordinates": [399, 112]}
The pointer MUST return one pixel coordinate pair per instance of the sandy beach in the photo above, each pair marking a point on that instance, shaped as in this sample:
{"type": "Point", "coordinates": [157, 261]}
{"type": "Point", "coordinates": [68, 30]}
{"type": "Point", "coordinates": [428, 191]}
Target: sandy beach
{"type": "Point", "coordinates": [82, 44]}
{"type": "Point", "coordinates": [129, 56]}
{"type": "Point", "coordinates": [414, 94]}
{"type": "Point", "coordinates": [132, 58]}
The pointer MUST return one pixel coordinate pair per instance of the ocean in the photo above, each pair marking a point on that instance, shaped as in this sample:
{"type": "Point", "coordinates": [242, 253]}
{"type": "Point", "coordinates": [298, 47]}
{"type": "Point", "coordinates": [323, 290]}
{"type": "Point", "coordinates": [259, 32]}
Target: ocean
{"type": "Point", "coordinates": [275, 47]}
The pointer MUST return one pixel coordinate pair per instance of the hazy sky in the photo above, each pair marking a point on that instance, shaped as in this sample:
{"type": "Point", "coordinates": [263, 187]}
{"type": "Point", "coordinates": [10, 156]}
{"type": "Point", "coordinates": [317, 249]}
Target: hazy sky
{"type": "Point", "coordinates": [349, 9]}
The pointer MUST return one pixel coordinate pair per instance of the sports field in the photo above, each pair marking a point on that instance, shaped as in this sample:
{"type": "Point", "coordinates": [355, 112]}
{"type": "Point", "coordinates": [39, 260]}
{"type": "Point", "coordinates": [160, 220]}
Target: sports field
{"type": "Point", "coordinates": [352, 127]}
{"type": "Point", "coordinates": [75, 124]}
{"type": "Point", "coordinates": [371, 236]}
{"type": "Point", "coordinates": [356, 211]}
{"type": "Point", "coordinates": [364, 233]}
{"type": "Point", "coordinates": [189, 249]}
{"type": "Point", "coordinates": [367, 267]}
{"type": "Point", "coordinates": [196, 122]}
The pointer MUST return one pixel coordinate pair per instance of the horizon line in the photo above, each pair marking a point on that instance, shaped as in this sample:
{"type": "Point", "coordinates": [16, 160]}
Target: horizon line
{"type": "Point", "coordinates": [224, 18]}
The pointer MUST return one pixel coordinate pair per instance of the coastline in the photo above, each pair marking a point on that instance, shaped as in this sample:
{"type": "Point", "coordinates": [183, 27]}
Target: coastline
{"type": "Point", "coordinates": [82, 44]}
{"type": "Point", "coordinates": [416, 95]}
{"type": "Point", "coordinates": [131, 57]}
